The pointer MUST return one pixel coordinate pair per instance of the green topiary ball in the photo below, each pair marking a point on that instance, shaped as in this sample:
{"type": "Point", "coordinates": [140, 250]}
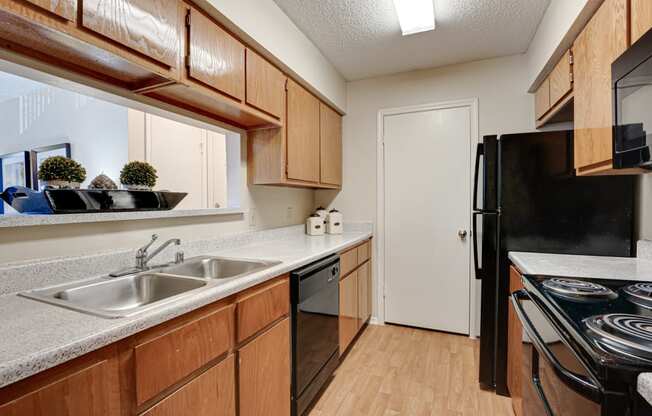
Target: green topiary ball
{"type": "Point", "coordinates": [59, 168]}
{"type": "Point", "coordinates": [138, 173]}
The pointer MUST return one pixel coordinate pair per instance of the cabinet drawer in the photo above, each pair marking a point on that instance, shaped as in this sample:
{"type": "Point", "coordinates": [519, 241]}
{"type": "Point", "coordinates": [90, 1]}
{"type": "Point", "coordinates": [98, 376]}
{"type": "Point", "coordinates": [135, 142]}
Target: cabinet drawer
{"type": "Point", "coordinates": [167, 359]}
{"type": "Point", "coordinates": [215, 58]}
{"type": "Point", "coordinates": [62, 8]}
{"type": "Point", "coordinates": [363, 252]}
{"type": "Point", "coordinates": [265, 85]}
{"type": "Point", "coordinates": [261, 307]}
{"type": "Point", "coordinates": [151, 27]}
{"type": "Point", "coordinates": [212, 393]}
{"type": "Point", "coordinates": [348, 261]}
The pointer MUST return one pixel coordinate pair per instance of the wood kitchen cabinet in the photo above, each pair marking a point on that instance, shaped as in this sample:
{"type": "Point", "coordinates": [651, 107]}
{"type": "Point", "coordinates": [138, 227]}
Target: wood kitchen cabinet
{"type": "Point", "coordinates": [210, 394]}
{"type": "Point", "coordinates": [264, 373]}
{"type": "Point", "coordinates": [215, 58]}
{"type": "Point", "coordinates": [603, 39]}
{"type": "Point", "coordinates": [561, 79]}
{"type": "Point", "coordinates": [265, 85]}
{"type": "Point", "coordinates": [307, 152]}
{"type": "Point", "coordinates": [515, 347]}
{"type": "Point", "coordinates": [330, 137]}
{"type": "Point", "coordinates": [542, 99]}
{"type": "Point", "coordinates": [150, 27]}
{"type": "Point", "coordinates": [302, 134]}
{"type": "Point", "coordinates": [553, 99]}
{"type": "Point", "coordinates": [348, 320]}
{"type": "Point", "coordinates": [86, 386]}
{"type": "Point", "coordinates": [364, 294]}
{"type": "Point", "coordinates": [66, 9]}
{"type": "Point", "coordinates": [641, 12]}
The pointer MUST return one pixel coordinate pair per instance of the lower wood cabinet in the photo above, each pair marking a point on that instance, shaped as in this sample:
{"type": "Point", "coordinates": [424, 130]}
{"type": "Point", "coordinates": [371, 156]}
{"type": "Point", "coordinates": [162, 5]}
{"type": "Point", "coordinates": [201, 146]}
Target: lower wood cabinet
{"type": "Point", "coordinates": [264, 373]}
{"type": "Point", "coordinates": [355, 292]}
{"type": "Point", "coordinates": [348, 310]}
{"type": "Point", "coordinates": [515, 347]}
{"type": "Point", "coordinates": [212, 393]}
{"type": "Point", "coordinates": [86, 386]}
{"type": "Point", "coordinates": [192, 365]}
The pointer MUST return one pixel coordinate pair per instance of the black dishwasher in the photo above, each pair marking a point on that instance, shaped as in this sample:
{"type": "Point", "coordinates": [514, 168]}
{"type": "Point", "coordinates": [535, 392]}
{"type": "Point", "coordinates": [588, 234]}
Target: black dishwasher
{"type": "Point", "coordinates": [315, 329]}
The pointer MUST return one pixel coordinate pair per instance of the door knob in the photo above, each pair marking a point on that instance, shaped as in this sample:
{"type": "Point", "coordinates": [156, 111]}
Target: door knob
{"type": "Point", "coordinates": [462, 234]}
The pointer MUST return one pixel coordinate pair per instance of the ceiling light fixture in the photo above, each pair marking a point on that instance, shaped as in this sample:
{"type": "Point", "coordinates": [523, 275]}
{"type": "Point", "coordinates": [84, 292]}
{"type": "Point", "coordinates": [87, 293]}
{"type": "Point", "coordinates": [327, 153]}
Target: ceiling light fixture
{"type": "Point", "coordinates": [415, 16]}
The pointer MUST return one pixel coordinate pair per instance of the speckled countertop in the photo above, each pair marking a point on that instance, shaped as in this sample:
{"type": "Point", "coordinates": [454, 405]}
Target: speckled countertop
{"type": "Point", "coordinates": [596, 267]}
{"type": "Point", "coordinates": [37, 336]}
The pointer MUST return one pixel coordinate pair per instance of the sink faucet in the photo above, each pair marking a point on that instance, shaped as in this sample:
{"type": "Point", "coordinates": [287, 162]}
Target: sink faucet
{"type": "Point", "coordinates": [143, 257]}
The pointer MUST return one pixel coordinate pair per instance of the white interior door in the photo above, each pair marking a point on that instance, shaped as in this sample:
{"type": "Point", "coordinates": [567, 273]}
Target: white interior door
{"type": "Point", "coordinates": [427, 205]}
{"type": "Point", "coordinates": [178, 152]}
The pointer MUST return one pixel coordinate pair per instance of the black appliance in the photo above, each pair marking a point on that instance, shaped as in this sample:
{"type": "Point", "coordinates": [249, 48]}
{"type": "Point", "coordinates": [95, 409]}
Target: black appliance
{"type": "Point", "coordinates": [315, 329]}
{"type": "Point", "coordinates": [585, 343]}
{"type": "Point", "coordinates": [532, 201]}
{"type": "Point", "coordinates": [631, 76]}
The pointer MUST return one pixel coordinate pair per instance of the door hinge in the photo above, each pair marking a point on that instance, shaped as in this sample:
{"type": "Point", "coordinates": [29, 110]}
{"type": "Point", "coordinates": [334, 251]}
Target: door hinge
{"type": "Point", "coordinates": [572, 77]}
{"type": "Point", "coordinates": [286, 84]}
{"type": "Point", "coordinates": [188, 18]}
{"type": "Point", "coordinates": [570, 57]}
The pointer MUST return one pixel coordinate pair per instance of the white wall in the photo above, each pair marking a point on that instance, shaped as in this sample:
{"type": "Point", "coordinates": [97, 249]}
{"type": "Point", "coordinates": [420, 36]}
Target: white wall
{"type": "Point", "coordinates": [504, 107]}
{"type": "Point", "coordinates": [270, 27]}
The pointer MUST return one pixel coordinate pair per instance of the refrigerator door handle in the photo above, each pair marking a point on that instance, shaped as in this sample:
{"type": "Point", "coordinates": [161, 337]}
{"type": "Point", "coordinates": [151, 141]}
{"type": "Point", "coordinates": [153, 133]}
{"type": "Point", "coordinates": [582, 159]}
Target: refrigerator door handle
{"type": "Point", "coordinates": [478, 270]}
{"type": "Point", "coordinates": [479, 152]}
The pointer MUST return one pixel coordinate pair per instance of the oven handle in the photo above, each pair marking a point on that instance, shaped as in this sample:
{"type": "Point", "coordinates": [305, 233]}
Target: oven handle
{"type": "Point", "coordinates": [577, 383]}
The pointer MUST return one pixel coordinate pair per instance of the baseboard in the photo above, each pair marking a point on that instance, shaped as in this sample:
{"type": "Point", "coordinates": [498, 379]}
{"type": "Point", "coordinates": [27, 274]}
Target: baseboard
{"type": "Point", "coordinates": [375, 321]}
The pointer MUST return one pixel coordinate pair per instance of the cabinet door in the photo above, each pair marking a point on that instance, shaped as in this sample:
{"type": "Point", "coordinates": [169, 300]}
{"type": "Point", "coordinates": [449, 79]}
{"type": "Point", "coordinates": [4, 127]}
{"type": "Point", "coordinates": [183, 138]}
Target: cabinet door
{"type": "Point", "coordinates": [515, 347]}
{"type": "Point", "coordinates": [542, 99]}
{"type": "Point", "coordinates": [364, 291]}
{"type": "Point", "coordinates": [264, 373]}
{"type": "Point", "coordinates": [151, 27]}
{"type": "Point", "coordinates": [91, 389]}
{"type": "Point", "coordinates": [330, 126]}
{"type": "Point", "coordinates": [265, 85]}
{"type": "Point", "coordinates": [348, 320]}
{"type": "Point", "coordinates": [210, 394]}
{"type": "Point", "coordinates": [62, 8]}
{"type": "Point", "coordinates": [215, 58]}
{"type": "Point", "coordinates": [603, 39]}
{"type": "Point", "coordinates": [561, 81]}
{"type": "Point", "coordinates": [641, 18]}
{"type": "Point", "coordinates": [302, 134]}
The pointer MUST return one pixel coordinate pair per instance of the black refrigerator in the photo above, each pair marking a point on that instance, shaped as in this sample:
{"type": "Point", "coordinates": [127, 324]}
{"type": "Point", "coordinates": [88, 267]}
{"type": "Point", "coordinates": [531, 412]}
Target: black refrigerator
{"type": "Point", "coordinates": [533, 201]}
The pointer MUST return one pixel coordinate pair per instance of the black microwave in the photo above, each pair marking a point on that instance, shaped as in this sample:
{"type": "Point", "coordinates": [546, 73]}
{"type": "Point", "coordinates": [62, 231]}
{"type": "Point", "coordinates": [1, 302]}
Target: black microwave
{"type": "Point", "coordinates": [631, 76]}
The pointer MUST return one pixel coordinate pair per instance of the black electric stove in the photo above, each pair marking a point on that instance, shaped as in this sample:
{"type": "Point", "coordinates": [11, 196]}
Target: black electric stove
{"type": "Point", "coordinates": [585, 343]}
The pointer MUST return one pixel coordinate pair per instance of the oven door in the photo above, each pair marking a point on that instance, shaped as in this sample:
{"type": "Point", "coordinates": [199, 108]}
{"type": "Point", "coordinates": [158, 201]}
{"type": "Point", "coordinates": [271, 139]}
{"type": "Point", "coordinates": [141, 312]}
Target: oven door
{"type": "Point", "coordinates": [555, 380]}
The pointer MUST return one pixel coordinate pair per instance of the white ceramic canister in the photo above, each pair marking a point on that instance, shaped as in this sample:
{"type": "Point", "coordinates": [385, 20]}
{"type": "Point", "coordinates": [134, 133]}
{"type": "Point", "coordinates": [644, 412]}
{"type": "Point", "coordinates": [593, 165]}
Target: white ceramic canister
{"type": "Point", "coordinates": [315, 225]}
{"type": "Point", "coordinates": [321, 211]}
{"type": "Point", "coordinates": [335, 222]}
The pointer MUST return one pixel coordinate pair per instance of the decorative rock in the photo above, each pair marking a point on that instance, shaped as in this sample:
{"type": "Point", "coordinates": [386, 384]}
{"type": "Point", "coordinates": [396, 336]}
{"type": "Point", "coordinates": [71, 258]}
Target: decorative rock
{"type": "Point", "coordinates": [102, 182]}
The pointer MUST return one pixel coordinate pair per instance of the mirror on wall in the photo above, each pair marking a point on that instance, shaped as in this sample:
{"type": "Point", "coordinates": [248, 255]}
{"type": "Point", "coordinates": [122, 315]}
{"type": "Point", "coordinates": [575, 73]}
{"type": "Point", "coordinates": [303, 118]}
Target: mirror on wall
{"type": "Point", "coordinates": [41, 120]}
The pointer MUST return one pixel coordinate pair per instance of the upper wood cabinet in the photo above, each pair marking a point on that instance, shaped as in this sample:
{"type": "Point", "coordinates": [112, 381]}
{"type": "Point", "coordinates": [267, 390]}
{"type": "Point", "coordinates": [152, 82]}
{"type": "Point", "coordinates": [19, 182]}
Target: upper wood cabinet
{"type": "Point", "coordinates": [150, 27]}
{"type": "Point", "coordinates": [603, 39]}
{"type": "Point", "coordinates": [62, 8]}
{"type": "Point", "coordinates": [561, 79]}
{"type": "Point", "coordinates": [302, 134]}
{"type": "Point", "coordinates": [330, 137]}
{"type": "Point", "coordinates": [264, 373]}
{"type": "Point", "coordinates": [542, 99]}
{"type": "Point", "coordinates": [265, 85]}
{"type": "Point", "coordinates": [641, 18]}
{"type": "Point", "coordinates": [215, 57]}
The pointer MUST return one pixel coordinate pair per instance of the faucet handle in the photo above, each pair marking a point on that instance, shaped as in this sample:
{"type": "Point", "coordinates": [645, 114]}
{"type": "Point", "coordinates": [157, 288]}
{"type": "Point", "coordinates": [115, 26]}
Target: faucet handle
{"type": "Point", "coordinates": [143, 249]}
{"type": "Point", "coordinates": [179, 257]}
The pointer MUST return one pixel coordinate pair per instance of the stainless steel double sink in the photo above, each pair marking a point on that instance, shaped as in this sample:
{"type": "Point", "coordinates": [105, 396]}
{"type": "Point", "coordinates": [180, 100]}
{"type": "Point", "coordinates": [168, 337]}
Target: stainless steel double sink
{"type": "Point", "coordinates": [129, 295]}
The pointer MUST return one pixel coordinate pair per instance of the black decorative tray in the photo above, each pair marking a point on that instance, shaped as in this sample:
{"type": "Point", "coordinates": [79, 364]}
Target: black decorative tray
{"type": "Point", "coordinates": [81, 201]}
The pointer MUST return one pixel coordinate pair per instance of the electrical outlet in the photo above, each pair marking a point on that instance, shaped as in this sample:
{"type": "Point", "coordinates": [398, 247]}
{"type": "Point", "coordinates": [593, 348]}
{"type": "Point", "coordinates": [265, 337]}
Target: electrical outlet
{"type": "Point", "coordinates": [252, 217]}
{"type": "Point", "coordinates": [289, 214]}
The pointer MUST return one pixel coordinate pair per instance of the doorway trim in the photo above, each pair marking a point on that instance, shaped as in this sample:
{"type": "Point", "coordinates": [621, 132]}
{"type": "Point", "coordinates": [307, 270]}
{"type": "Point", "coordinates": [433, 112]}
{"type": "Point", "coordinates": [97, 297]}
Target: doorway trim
{"type": "Point", "coordinates": [472, 105]}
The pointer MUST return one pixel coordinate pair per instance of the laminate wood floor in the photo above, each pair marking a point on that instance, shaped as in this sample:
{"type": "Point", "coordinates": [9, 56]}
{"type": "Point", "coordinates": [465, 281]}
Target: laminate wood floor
{"type": "Point", "coordinates": [394, 370]}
